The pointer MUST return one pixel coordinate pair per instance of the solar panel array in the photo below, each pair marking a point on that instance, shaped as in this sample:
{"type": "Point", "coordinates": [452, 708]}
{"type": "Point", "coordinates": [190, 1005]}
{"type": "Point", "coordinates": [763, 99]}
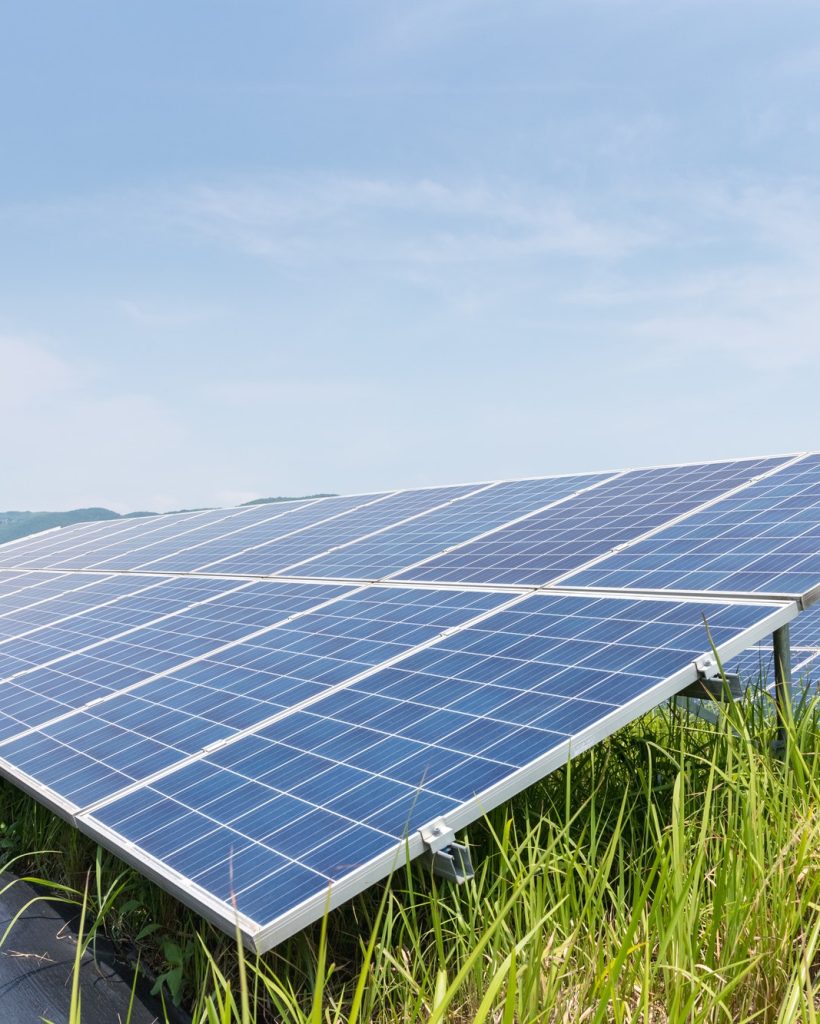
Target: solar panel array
{"type": "Point", "coordinates": [763, 539]}
{"type": "Point", "coordinates": [756, 665]}
{"type": "Point", "coordinates": [265, 708]}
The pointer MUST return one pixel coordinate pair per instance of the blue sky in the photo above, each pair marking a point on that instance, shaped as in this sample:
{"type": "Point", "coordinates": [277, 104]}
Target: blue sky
{"type": "Point", "coordinates": [253, 248]}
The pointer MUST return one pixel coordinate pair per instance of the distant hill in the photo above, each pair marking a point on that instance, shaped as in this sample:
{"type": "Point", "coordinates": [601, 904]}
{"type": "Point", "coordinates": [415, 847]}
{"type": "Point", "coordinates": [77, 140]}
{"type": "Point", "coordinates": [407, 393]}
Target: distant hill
{"type": "Point", "coordinates": [304, 497]}
{"type": "Point", "coordinates": [20, 524]}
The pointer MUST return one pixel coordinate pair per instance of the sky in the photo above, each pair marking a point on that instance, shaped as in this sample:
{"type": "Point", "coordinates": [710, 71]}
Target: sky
{"type": "Point", "coordinates": [252, 249]}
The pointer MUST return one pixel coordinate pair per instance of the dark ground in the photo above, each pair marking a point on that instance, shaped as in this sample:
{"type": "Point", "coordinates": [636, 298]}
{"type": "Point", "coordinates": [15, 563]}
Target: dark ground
{"type": "Point", "coordinates": [36, 964]}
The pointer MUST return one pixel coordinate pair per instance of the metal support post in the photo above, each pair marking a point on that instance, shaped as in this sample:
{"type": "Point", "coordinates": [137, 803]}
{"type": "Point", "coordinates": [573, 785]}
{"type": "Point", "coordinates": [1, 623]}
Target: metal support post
{"type": "Point", "coordinates": [782, 681]}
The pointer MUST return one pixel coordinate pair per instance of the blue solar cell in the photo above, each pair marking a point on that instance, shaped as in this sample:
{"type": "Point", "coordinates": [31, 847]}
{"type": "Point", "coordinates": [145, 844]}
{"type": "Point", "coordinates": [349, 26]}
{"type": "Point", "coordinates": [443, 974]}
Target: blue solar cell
{"type": "Point", "coordinates": [804, 631]}
{"type": "Point", "coordinates": [79, 593]}
{"type": "Point", "coordinates": [75, 549]}
{"type": "Point", "coordinates": [120, 552]}
{"type": "Point", "coordinates": [557, 540]}
{"type": "Point", "coordinates": [104, 610]}
{"type": "Point", "coordinates": [279, 555]}
{"type": "Point", "coordinates": [324, 789]}
{"type": "Point", "coordinates": [8, 576]}
{"type": "Point", "coordinates": [219, 694]}
{"type": "Point", "coordinates": [402, 545]}
{"type": "Point", "coordinates": [757, 664]}
{"type": "Point", "coordinates": [764, 540]}
{"type": "Point", "coordinates": [755, 667]}
{"type": "Point", "coordinates": [276, 523]}
{"type": "Point", "coordinates": [15, 552]}
{"type": "Point", "coordinates": [221, 524]}
{"type": "Point", "coordinates": [25, 590]}
{"type": "Point", "coordinates": [63, 681]}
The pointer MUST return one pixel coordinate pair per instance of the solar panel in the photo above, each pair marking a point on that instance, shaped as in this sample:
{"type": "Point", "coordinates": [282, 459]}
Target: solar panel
{"type": "Point", "coordinates": [548, 544]}
{"type": "Point", "coordinates": [756, 668]}
{"type": "Point", "coordinates": [250, 535]}
{"type": "Point", "coordinates": [808, 669]}
{"type": "Point", "coordinates": [47, 675]}
{"type": "Point", "coordinates": [757, 664]}
{"type": "Point", "coordinates": [246, 681]}
{"type": "Point", "coordinates": [7, 576]}
{"type": "Point", "coordinates": [132, 555]}
{"type": "Point", "coordinates": [116, 549]}
{"type": "Point", "coordinates": [80, 592]}
{"type": "Point", "coordinates": [383, 554]}
{"type": "Point", "coordinates": [41, 550]}
{"type": "Point", "coordinates": [281, 742]}
{"type": "Point", "coordinates": [14, 551]}
{"type": "Point", "coordinates": [26, 589]}
{"type": "Point", "coordinates": [764, 539]}
{"type": "Point", "coordinates": [321, 802]}
{"type": "Point", "coordinates": [17, 581]}
{"type": "Point", "coordinates": [84, 617]}
{"type": "Point", "coordinates": [276, 555]}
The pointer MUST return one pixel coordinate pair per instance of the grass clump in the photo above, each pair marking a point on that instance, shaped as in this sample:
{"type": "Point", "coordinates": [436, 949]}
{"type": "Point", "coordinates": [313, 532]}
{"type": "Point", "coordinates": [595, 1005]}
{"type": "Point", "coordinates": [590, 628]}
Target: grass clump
{"type": "Point", "coordinates": [671, 874]}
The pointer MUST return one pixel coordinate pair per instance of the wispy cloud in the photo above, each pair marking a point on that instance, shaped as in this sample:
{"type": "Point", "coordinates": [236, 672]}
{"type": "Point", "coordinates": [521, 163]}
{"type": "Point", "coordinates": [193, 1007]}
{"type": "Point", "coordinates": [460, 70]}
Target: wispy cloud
{"type": "Point", "coordinates": [410, 222]}
{"type": "Point", "coordinates": [689, 267]}
{"type": "Point", "coordinates": [353, 219]}
{"type": "Point", "coordinates": [745, 288]}
{"type": "Point", "coordinates": [761, 337]}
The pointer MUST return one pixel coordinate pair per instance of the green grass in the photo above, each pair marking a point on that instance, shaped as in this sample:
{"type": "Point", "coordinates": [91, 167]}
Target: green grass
{"type": "Point", "coordinates": [671, 874]}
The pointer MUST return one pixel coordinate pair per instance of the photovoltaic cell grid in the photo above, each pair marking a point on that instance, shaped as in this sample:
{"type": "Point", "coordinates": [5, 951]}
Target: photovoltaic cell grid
{"type": "Point", "coordinates": [147, 599]}
{"type": "Point", "coordinates": [272, 819]}
{"type": "Point", "coordinates": [764, 539]}
{"type": "Point", "coordinates": [757, 663]}
{"type": "Point", "coordinates": [541, 548]}
{"type": "Point", "coordinates": [7, 576]}
{"type": "Point", "coordinates": [756, 669]}
{"type": "Point", "coordinates": [17, 590]}
{"type": "Point", "coordinates": [120, 693]}
{"type": "Point", "coordinates": [384, 554]}
{"type": "Point", "coordinates": [127, 549]}
{"type": "Point", "coordinates": [15, 551]}
{"type": "Point", "coordinates": [150, 539]}
{"type": "Point", "coordinates": [95, 753]}
{"type": "Point", "coordinates": [132, 555]}
{"type": "Point", "coordinates": [76, 594]}
{"type": "Point", "coordinates": [278, 555]}
{"type": "Point", "coordinates": [127, 543]}
{"type": "Point", "coordinates": [50, 681]}
{"type": "Point", "coordinates": [42, 550]}
{"type": "Point", "coordinates": [249, 535]}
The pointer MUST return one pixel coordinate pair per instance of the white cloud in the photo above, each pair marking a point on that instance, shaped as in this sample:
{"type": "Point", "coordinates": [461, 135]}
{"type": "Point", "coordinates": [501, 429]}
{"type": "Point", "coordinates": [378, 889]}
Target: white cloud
{"type": "Point", "coordinates": [439, 310]}
{"type": "Point", "coordinates": [774, 341]}
{"type": "Point", "coordinates": [412, 223]}
{"type": "Point", "coordinates": [749, 290]}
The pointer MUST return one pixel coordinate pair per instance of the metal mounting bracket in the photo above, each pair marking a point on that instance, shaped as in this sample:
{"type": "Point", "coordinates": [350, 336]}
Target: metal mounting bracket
{"type": "Point", "coordinates": [447, 858]}
{"type": "Point", "coordinates": [711, 684]}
